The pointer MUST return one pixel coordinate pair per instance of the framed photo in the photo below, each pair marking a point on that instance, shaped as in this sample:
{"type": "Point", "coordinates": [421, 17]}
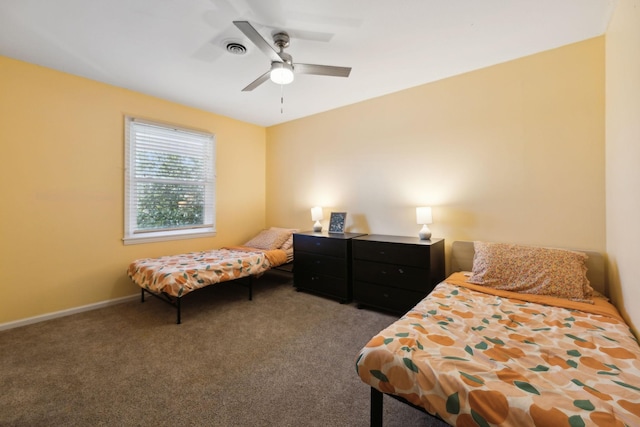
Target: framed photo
{"type": "Point", "coordinates": [336, 223]}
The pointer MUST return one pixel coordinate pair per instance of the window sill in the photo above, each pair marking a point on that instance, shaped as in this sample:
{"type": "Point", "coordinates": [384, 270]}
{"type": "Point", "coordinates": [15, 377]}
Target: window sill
{"type": "Point", "coordinates": [164, 236]}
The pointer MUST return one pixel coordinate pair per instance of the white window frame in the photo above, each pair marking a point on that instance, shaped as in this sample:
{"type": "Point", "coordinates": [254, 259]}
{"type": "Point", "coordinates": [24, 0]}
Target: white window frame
{"type": "Point", "coordinates": [133, 235]}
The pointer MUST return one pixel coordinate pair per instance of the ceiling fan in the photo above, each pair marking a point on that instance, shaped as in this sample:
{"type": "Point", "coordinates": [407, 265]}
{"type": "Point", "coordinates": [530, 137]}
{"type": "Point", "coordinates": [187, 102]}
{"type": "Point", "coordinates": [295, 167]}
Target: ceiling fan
{"type": "Point", "coordinates": [282, 65]}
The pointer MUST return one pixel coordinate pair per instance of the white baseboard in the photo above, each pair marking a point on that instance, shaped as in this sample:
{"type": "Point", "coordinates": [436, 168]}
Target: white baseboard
{"type": "Point", "coordinates": [68, 312]}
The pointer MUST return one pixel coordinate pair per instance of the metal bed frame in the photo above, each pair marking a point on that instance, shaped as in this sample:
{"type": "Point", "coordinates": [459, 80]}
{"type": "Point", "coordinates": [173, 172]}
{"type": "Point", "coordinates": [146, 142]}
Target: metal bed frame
{"type": "Point", "coordinates": [377, 405]}
{"type": "Point", "coordinates": [176, 301]}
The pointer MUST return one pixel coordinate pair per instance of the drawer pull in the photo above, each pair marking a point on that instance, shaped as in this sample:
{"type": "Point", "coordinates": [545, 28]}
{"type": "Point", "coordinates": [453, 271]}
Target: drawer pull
{"type": "Point", "coordinates": [383, 272]}
{"type": "Point", "coordinates": [401, 271]}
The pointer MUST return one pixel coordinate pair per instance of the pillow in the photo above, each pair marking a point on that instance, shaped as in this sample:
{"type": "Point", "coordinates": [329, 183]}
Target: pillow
{"type": "Point", "coordinates": [542, 271]}
{"type": "Point", "coordinates": [268, 239]}
{"type": "Point", "coordinates": [288, 244]}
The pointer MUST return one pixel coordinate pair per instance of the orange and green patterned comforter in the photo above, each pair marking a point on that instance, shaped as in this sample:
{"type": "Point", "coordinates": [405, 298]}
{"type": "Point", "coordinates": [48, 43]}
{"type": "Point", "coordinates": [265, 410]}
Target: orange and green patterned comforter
{"type": "Point", "coordinates": [479, 359]}
{"type": "Point", "coordinates": [177, 275]}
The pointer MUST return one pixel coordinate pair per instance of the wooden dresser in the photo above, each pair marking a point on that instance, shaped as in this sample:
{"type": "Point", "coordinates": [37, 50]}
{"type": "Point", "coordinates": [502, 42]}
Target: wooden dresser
{"type": "Point", "coordinates": [322, 263]}
{"type": "Point", "coordinates": [393, 273]}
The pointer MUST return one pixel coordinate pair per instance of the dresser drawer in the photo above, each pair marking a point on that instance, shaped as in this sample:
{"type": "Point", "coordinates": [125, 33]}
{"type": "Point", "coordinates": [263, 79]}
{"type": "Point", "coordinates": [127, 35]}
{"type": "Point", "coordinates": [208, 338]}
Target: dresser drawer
{"type": "Point", "coordinates": [392, 299]}
{"type": "Point", "coordinates": [320, 245]}
{"type": "Point", "coordinates": [397, 276]}
{"type": "Point", "coordinates": [321, 264]}
{"type": "Point", "coordinates": [322, 284]}
{"type": "Point", "coordinates": [392, 253]}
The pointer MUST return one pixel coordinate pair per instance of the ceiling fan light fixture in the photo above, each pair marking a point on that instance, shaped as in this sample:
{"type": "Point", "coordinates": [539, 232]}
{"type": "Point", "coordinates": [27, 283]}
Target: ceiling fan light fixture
{"type": "Point", "coordinates": [281, 73]}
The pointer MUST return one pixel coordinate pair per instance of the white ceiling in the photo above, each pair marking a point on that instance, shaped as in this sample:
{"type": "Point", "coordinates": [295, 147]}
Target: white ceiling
{"type": "Point", "coordinates": [175, 49]}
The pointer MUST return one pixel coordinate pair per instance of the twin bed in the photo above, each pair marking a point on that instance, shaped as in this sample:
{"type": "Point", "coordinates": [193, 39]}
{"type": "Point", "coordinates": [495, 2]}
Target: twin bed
{"type": "Point", "coordinates": [524, 338]}
{"type": "Point", "coordinates": [170, 278]}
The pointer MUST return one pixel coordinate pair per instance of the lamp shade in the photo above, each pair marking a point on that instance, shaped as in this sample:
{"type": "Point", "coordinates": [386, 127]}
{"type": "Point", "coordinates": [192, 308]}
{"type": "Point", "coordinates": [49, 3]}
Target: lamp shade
{"type": "Point", "coordinates": [281, 73]}
{"type": "Point", "coordinates": [423, 215]}
{"type": "Point", "coordinates": [316, 213]}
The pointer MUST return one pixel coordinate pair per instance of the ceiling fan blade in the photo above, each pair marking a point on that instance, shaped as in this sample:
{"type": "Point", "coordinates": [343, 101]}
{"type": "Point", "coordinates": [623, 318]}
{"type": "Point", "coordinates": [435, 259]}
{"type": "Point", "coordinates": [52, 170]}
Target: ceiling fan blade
{"type": "Point", "coordinates": [257, 82]}
{"type": "Point", "coordinates": [258, 40]}
{"type": "Point", "coordinates": [321, 70]}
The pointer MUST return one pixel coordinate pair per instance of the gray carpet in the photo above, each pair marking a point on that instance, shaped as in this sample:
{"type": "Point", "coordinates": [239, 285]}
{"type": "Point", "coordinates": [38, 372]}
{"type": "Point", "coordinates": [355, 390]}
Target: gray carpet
{"type": "Point", "coordinates": [284, 359]}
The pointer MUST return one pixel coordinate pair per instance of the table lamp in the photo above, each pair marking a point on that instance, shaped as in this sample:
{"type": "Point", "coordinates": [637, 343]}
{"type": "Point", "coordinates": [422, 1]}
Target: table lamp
{"type": "Point", "coordinates": [316, 215]}
{"type": "Point", "coordinates": [423, 216]}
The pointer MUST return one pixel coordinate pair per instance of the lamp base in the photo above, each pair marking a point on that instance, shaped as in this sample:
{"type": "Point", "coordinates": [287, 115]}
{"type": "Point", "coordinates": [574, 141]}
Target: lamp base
{"type": "Point", "coordinates": [317, 227]}
{"type": "Point", "coordinates": [425, 233]}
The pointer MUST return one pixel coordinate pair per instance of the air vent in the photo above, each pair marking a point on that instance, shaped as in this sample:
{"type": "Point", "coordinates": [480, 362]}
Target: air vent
{"type": "Point", "coordinates": [236, 48]}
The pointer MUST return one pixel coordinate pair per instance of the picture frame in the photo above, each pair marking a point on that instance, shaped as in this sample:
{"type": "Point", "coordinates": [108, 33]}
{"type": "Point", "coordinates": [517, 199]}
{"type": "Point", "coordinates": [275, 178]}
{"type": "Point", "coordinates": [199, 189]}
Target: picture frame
{"type": "Point", "coordinates": [337, 221]}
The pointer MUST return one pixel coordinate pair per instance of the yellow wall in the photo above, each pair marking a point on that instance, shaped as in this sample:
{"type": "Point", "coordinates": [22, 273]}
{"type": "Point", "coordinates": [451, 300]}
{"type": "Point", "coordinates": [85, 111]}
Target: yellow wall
{"type": "Point", "coordinates": [513, 153]}
{"type": "Point", "coordinates": [623, 155]}
{"type": "Point", "coordinates": [61, 181]}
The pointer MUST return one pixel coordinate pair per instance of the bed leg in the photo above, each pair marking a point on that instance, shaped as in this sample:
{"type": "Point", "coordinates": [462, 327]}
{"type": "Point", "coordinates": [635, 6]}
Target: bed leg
{"type": "Point", "coordinates": [376, 408]}
{"type": "Point", "coordinates": [250, 288]}
{"type": "Point", "coordinates": [141, 295]}
{"type": "Point", "coordinates": [178, 321]}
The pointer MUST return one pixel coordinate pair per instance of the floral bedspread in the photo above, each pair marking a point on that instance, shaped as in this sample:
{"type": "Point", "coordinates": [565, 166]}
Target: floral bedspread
{"type": "Point", "coordinates": [177, 275]}
{"type": "Point", "coordinates": [477, 359]}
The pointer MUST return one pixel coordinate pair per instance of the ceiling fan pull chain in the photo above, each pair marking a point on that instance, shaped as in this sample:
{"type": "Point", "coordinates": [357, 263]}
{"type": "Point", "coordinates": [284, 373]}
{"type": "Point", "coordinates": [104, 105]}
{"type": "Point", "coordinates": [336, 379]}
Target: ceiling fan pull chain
{"type": "Point", "coordinates": [281, 99]}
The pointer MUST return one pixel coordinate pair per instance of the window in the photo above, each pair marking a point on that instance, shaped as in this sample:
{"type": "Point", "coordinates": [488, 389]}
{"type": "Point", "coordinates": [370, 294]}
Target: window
{"type": "Point", "coordinates": [169, 182]}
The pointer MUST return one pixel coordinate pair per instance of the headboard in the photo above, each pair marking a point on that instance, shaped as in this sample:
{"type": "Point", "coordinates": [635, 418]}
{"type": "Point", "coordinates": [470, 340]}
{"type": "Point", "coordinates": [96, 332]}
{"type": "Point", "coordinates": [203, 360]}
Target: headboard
{"type": "Point", "coordinates": [462, 260]}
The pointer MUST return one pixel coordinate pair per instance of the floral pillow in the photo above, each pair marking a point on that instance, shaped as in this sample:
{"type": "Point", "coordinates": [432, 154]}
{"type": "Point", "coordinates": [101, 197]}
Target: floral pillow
{"type": "Point", "coordinates": [269, 239]}
{"type": "Point", "coordinates": [288, 244]}
{"type": "Point", "coordinates": [532, 270]}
